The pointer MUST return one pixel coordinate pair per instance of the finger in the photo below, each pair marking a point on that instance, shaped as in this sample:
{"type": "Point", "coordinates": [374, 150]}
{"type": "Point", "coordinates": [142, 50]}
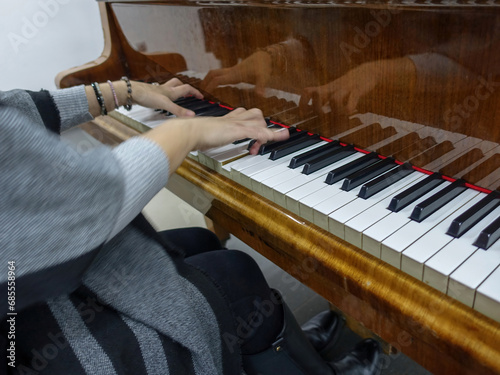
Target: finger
{"type": "Point", "coordinates": [267, 136]}
{"type": "Point", "coordinates": [173, 82]}
{"type": "Point", "coordinates": [235, 112]}
{"type": "Point", "coordinates": [186, 90]}
{"type": "Point", "coordinates": [178, 110]}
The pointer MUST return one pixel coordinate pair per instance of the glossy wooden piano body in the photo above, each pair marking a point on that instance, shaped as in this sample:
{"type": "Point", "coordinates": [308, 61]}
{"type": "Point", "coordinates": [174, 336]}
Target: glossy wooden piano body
{"type": "Point", "coordinates": [455, 46]}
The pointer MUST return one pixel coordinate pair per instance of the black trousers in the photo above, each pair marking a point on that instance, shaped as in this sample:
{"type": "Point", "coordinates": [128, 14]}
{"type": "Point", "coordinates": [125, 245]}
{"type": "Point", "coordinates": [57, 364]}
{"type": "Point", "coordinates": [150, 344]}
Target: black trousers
{"type": "Point", "coordinates": [256, 309]}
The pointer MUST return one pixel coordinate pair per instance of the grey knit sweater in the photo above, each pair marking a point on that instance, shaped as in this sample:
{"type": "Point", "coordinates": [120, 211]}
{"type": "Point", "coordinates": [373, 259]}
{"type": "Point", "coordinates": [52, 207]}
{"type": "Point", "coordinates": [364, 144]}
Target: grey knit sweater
{"type": "Point", "coordinates": [95, 294]}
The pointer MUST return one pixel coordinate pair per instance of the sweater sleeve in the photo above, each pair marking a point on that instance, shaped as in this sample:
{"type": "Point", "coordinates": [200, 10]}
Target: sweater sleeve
{"type": "Point", "coordinates": [59, 206]}
{"type": "Point", "coordinates": [72, 106]}
{"type": "Point", "coordinates": [435, 70]}
{"type": "Point", "coordinates": [145, 170]}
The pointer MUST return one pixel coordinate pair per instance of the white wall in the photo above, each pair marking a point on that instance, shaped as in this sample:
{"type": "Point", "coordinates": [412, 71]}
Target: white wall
{"type": "Point", "coordinates": [40, 38]}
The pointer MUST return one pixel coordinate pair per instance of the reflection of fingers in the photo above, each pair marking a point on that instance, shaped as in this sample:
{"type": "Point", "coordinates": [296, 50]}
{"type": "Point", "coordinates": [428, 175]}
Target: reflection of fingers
{"type": "Point", "coordinates": [352, 103]}
{"type": "Point", "coordinates": [305, 98]}
{"type": "Point", "coordinates": [317, 102]}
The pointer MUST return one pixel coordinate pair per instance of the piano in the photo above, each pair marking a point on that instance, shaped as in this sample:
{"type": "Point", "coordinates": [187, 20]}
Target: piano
{"type": "Point", "coordinates": [387, 207]}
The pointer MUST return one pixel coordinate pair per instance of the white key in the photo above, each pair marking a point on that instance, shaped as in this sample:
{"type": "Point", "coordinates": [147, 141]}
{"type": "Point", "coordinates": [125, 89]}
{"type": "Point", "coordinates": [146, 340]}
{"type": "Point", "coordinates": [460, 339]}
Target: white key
{"type": "Point", "coordinates": [322, 211]}
{"type": "Point", "coordinates": [226, 168]}
{"type": "Point", "coordinates": [229, 156]}
{"type": "Point", "coordinates": [294, 196]}
{"type": "Point", "coordinates": [285, 187]}
{"type": "Point", "coordinates": [374, 236]}
{"type": "Point", "coordinates": [308, 203]}
{"type": "Point", "coordinates": [488, 296]}
{"type": "Point", "coordinates": [210, 157]}
{"type": "Point", "coordinates": [395, 244]}
{"type": "Point", "coordinates": [414, 257]}
{"type": "Point", "coordinates": [338, 218]}
{"type": "Point", "coordinates": [235, 166]}
{"type": "Point", "coordinates": [369, 228]}
{"type": "Point", "coordinates": [269, 168]}
{"type": "Point", "coordinates": [264, 182]}
{"type": "Point", "coordinates": [438, 268]}
{"type": "Point", "coordinates": [467, 278]}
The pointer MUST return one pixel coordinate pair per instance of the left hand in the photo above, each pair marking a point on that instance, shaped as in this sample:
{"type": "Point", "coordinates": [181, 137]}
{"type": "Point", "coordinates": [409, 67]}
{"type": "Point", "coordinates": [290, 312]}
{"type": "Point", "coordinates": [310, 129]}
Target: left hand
{"type": "Point", "coordinates": [162, 96]}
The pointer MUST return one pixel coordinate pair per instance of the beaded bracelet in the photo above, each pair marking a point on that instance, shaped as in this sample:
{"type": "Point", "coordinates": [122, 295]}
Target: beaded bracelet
{"type": "Point", "coordinates": [117, 105]}
{"type": "Point", "coordinates": [128, 106]}
{"type": "Point", "coordinates": [100, 98]}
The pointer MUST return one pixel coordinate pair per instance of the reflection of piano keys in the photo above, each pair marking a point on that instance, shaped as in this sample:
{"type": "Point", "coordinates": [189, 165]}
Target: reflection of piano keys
{"type": "Point", "coordinates": [455, 266]}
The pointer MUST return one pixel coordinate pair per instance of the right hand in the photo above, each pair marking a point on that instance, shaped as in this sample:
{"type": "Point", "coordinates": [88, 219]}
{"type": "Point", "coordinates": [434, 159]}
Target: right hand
{"type": "Point", "coordinates": [240, 123]}
{"type": "Point", "coordinates": [255, 69]}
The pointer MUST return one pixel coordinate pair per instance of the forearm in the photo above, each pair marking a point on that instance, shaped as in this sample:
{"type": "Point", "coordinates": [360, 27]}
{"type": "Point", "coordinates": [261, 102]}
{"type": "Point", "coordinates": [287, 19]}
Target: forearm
{"type": "Point", "coordinates": [176, 139]}
{"type": "Point", "coordinates": [120, 88]}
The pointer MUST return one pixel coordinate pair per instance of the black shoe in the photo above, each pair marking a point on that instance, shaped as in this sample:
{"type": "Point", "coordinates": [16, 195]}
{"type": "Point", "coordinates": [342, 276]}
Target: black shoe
{"type": "Point", "coordinates": [293, 354]}
{"type": "Point", "coordinates": [364, 359]}
{"type": "Point", "coordinates": [323, 331]}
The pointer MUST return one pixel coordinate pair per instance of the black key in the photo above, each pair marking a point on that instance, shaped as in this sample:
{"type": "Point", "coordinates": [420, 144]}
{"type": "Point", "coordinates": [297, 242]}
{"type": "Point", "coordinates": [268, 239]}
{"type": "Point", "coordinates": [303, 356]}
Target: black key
{"type": "Point", "coordinates": [326, 159]}
{"type": "Point", "coordinates": [241, 141]}
{"type": "Point", "coordinates": [430, 205]}
{"type": "Point", "coordinates": [216, 111]}
{"type": "Point", "coordinates": [473, 215]}
{"type": "Point", "coordinates": [488, 235]}
{"type": "Point", "coordinates": [301, 159]}
{"type": "Point", "coordinates": [414, 192]}
{"type": "Point", "coordinates": [364, 175]}
{"type": "Point", "coordinates": [187, 100]}
{"type": "Point", "coordinates": [271, 146]}
{"type": "Point", "coordinates": [294, 146]}
{"type": "Point", "coordinates": [347, 169]}
{"type": "Point", "coordinates": [200, 106]}
{"type": "Point", "coordinates": [387, 179]}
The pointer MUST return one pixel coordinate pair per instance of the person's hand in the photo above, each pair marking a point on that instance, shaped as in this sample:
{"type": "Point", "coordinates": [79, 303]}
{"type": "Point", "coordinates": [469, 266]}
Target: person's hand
{"type": "Point", "coordinates": [162, 96]}
{"type": "Point", "coordinates": [344, 93]}
{"type": "Point", "coordinates": [240, 123]}
{"type": "Point", "coordinates": [255, 69]}
{"type": "Point", "coordinates": [177, 137]}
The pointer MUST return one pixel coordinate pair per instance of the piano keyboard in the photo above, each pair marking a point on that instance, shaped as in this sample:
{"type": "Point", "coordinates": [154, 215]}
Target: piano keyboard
{"type": "Point", "coordinates": [439, 230]}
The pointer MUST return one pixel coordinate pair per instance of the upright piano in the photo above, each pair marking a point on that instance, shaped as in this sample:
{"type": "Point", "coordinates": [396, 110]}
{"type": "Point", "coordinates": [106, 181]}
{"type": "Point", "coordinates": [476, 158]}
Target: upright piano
{"type": "Point", "coordinates": [404, 91]}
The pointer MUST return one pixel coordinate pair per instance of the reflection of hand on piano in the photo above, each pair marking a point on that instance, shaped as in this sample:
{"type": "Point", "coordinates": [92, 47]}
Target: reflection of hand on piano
{"type": "Point", "coordinates": [344, 93]}
{"type": "Point", "coordinates": [255, 69]}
